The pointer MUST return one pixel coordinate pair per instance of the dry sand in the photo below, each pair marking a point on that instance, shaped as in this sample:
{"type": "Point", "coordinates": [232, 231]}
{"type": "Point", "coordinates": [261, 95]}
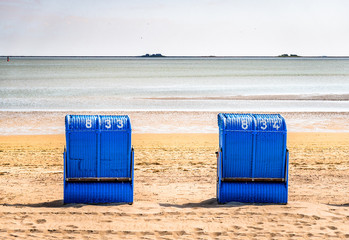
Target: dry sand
{"type": "Point", "coordinates": [175, 177]}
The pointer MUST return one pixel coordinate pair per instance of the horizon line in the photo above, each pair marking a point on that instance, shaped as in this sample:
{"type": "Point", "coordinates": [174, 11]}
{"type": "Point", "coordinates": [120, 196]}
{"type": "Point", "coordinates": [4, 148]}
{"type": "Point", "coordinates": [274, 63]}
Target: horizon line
{"type": "Point", "coordinates": [182, 56]}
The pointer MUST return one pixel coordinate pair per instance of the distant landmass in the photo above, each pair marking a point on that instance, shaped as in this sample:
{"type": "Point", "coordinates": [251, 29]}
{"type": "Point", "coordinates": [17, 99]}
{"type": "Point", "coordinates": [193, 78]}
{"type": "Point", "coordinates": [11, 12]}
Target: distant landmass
{"type": "Point", "coordinates": [153, 55]}
{"type": "Point", "coordinates": [288, 55]}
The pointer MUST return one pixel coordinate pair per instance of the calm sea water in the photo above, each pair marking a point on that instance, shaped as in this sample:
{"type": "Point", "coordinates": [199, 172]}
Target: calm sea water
{"type": "Point", "coordinates": [180, 84]}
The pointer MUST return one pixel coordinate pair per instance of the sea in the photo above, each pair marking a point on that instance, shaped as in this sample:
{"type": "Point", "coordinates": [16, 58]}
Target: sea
{"type": "Point", "coordinates": [225, 84]}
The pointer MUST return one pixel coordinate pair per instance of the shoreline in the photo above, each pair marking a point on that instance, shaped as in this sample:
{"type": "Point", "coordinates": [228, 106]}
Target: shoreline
{"type": "Point", "coordinates": [36, 123]}
{"type": "Point", "coordinates": [41, 122]}
{"type": "Point", "coordinates": [298, 97]}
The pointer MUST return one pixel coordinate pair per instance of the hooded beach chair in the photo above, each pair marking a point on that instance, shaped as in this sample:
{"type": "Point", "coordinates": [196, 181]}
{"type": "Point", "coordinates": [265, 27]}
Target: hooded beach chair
{"type": "Point", "coordinates": [252, 161]}
{"type": "Point", "coordinates": [98, 159]}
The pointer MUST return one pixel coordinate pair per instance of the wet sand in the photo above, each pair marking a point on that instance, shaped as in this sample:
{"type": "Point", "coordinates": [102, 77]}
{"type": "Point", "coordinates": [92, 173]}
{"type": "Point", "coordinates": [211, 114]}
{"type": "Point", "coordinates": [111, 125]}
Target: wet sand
{"type": "Point", "coordinates": [305, 97]}
{"type": "Point", "coordinates": [175, 176]}
{"type": "Point", "coordinates": [52, 122]}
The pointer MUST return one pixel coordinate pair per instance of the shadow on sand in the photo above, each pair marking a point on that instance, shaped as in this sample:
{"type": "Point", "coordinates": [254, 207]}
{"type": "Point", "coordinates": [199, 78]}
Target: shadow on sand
{"type": "Point", "coordinates": [212, 203]}
{"type": "Point", "coordinates": [59, 204]}
{"type": "Point", "coordinates": [339, 205]}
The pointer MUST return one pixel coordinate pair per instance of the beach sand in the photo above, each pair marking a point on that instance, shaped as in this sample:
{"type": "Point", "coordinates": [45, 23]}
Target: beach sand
{"type": "Point", "coordinates": [175, 177]}
{"type": "Point", "coordinates": [52, 122]}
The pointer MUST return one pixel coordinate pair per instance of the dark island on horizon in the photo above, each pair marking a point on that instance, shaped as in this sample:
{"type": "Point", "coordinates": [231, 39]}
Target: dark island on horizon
{"type": "Point", "coordinates": [288, 55]}
{"type": "Point", "coordinates": [153, 55]}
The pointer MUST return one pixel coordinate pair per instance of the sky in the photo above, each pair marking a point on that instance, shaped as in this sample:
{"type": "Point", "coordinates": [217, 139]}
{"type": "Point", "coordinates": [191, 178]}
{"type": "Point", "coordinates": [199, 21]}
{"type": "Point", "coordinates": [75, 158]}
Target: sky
{"type": "Point", "coordinates": [174, 28]}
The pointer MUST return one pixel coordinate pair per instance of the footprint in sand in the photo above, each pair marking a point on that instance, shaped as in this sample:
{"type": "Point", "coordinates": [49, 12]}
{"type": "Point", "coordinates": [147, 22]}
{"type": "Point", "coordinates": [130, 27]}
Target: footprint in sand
{"type": "Point", "coordinates": [40, 221]}
{"type": "Point", "coordinates": [200, 233]}
{"type": "Point", "coordinates": [164, 233]}
{"type": "Point", "coordinates": [129, 233]}
{"type": "Point", "coordinates": [256, 228]}
{"type": "Point", "coordinates": [332, 227]}
{"type": "Point", "coordinates": [198, 229]}
{"type": "Point", "coordinates": [72, 226]}
{"type": "Point", "coordinates": [180, 233]}
{"type": "Point", "coordinates": [107, 221]}
{"type": "Point", "coordinates": [34, 230]}
{"type": "Point", "coordinates": [216, 234]}
{"type": "Point", "coordinates": [147, 233]}
{"type": "Point", "coordinates": [107, 213]}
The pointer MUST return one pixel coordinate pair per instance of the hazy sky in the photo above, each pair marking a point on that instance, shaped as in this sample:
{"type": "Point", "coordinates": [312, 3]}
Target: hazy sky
{"type": "Point", "coordinates": [177, 27]}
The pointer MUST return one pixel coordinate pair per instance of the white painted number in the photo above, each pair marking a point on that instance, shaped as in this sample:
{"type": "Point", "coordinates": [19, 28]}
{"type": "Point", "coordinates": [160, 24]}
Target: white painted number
{"type": "Point", "coordinates": [107, 123]}
{"type": "Point", "coordinates": [120, 124]}
{"type": "Point", "coordinates": [244, 124]}
{"type": "Point", "coordinates": [276, 125]}
{"type": "Point", "coordinates": [88, 123]}
{"type": "Point", "coordinates": [263, 124]}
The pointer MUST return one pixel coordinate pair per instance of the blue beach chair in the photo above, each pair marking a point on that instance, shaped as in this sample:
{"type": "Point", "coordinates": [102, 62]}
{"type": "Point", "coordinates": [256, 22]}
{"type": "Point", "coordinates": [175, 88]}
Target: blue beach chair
{"type": "Point", "coordinates": [98, 159]}
{"type": "Point", "coordinates": [252, 161]}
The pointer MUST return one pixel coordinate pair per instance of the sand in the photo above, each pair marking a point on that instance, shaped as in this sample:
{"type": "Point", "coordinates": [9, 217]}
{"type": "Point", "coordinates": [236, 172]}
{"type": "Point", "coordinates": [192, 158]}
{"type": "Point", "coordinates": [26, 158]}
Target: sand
{"type": "Point", "coordinates": [52, 122]}
{"type": "Point", "coordinates": [174, 197]}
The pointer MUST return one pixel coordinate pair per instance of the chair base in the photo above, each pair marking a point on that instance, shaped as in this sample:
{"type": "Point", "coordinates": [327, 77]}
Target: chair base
{"type": "Point", "coordinates": [252, 192]}
{"type": "Point", "coordinates": [98, 192]}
